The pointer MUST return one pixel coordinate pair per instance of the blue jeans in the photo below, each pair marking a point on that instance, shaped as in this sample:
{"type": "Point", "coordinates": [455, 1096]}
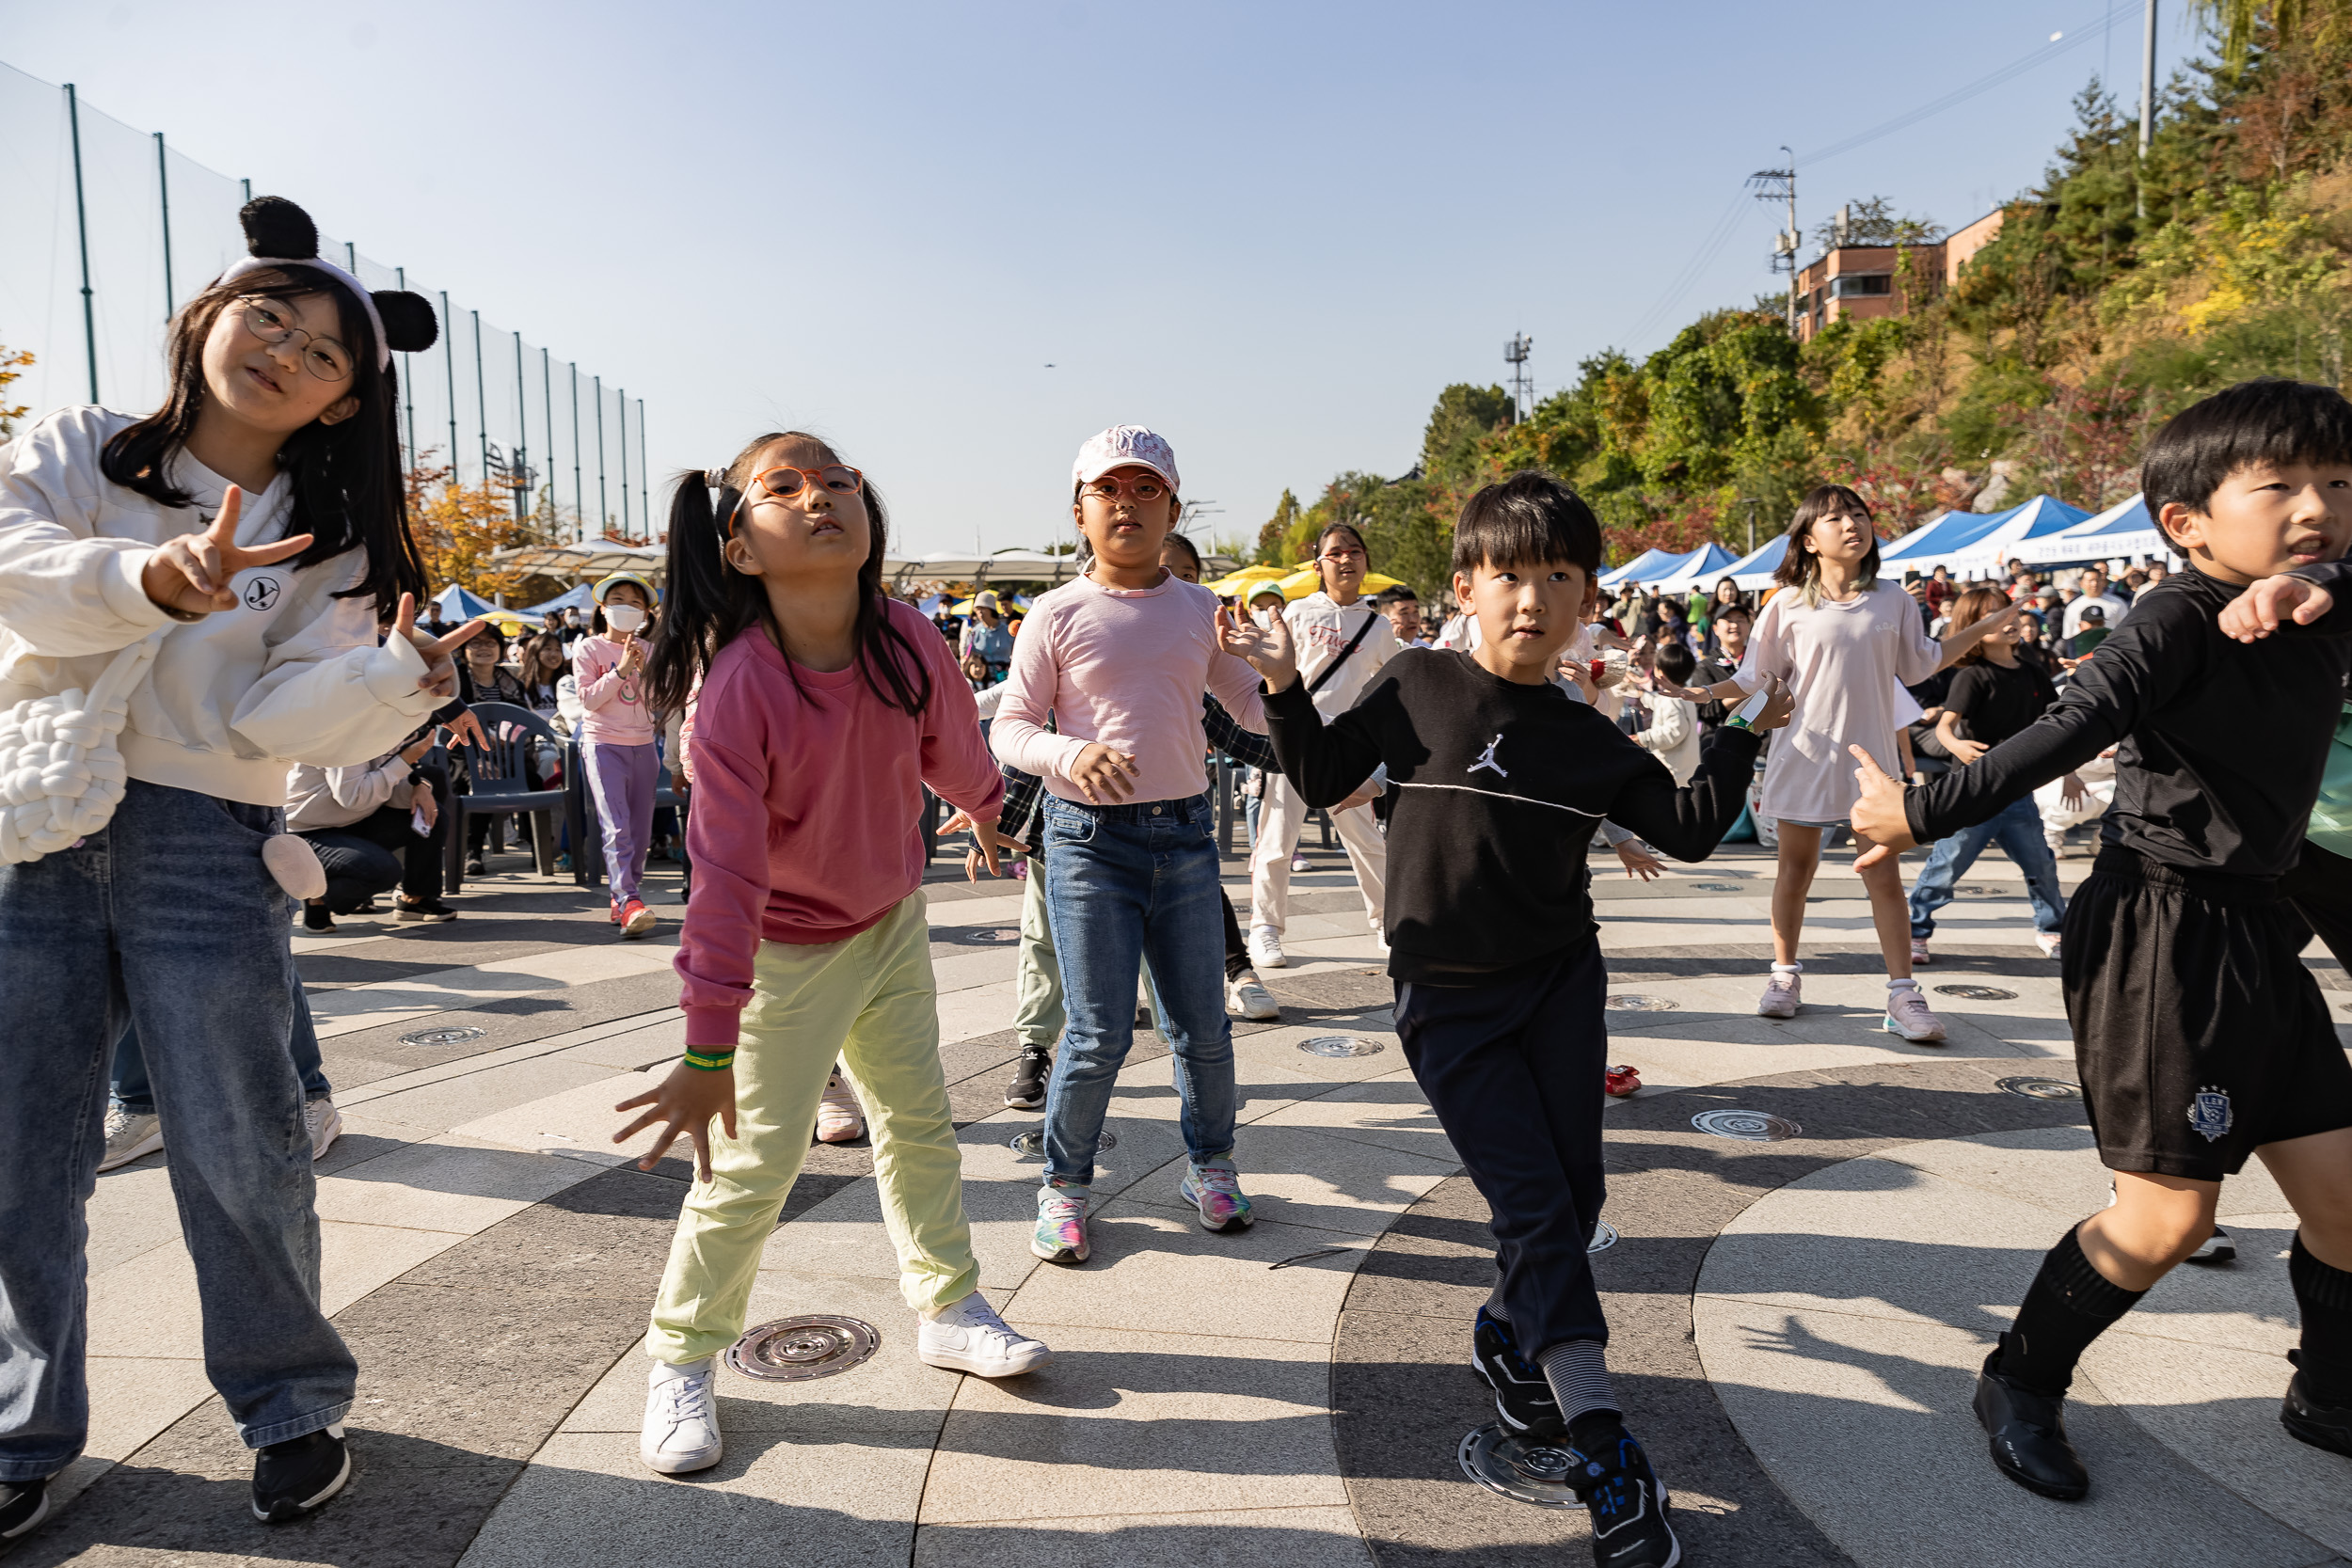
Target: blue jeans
{"type": "Point", "coordinates": [166, 920]}
{"type": "Point", "coordinates": [2017, 830]}
{"type": "Point", "coordinates": [132, 1092]}
{"type": "Point", "coordinates": [1124, 883]}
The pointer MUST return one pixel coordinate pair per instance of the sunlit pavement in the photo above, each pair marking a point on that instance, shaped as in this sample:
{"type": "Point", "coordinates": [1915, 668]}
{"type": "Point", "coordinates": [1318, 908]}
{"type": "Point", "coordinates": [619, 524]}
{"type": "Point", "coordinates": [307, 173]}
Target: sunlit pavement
{"type": "Point", "coordinates": [1796, 1322]}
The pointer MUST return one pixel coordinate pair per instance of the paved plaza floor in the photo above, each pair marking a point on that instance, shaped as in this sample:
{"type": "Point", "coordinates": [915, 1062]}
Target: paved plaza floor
{"type": "Point", "coordinates": [1797, 1323]}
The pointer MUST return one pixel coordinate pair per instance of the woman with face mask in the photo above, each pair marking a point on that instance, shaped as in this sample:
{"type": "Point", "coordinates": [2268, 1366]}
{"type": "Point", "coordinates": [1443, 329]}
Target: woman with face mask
{"type": "Point", "coordinates": [616, 738]}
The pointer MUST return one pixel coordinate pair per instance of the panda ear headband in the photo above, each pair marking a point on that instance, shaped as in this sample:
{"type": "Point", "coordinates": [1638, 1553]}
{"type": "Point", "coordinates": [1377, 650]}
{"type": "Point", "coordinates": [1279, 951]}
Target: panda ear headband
{"type": "Point", "coordinates": [278, 233]}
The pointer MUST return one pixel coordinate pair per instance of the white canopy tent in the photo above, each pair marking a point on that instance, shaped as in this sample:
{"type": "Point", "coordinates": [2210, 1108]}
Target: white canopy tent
{"type": "Point", "coordinates": [1640, 569]}
{"type": "Point", "coordinates": [1699, 569]}
{"type": "Point", "coordinates": [2121, 532]}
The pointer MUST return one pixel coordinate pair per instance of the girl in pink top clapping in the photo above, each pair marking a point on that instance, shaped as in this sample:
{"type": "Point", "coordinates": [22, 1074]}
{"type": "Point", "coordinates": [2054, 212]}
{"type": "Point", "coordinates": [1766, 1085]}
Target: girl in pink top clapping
{"type": "Point", "coordinates": [616, 739]}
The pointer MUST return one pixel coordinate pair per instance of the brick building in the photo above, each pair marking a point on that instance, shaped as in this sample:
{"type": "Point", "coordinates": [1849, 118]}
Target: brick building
{"type": "Point", "coordinates": [1860, 281]}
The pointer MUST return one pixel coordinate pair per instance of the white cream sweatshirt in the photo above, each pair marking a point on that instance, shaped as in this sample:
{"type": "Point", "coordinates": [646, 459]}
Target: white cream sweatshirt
{"type": "Point", "coordinates": [292, 674]}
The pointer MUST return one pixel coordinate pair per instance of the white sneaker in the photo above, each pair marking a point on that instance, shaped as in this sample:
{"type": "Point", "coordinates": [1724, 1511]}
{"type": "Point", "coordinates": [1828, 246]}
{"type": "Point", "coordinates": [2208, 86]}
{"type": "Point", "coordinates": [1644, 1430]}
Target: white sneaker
{"type": "Point", "coordinates": [1246, 996]}
{"type": "Point", "coordinates": [840, 1119]}
{"type": "Point", "coordinates": [681, 1418]}
{"type": "Point", "coordinates": [325, 1122]}
{"type": "Point", "coordinates": [2048, 942]}
{"type": "Point", "coordinates": [1781, 994]}
{"type": "Point", "coordinates": [1908, 1014]}
{"type": "Point", "coordinates": [129, 1138]}
{"type": "Point", "coordinates": [969, 1337]}
{"type": "Point", "coordinates": [1266, 948]}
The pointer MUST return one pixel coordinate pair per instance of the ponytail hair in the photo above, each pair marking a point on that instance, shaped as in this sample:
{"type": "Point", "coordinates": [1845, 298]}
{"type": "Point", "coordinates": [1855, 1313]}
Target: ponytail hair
{"type": "Point", "coordinates": [710, 604]}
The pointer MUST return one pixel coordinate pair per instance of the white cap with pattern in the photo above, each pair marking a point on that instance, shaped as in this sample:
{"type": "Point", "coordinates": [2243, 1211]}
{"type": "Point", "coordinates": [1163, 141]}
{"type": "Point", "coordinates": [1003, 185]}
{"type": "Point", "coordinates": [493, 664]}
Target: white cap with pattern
{"type": "Point", "coordinates": [1125, 446]}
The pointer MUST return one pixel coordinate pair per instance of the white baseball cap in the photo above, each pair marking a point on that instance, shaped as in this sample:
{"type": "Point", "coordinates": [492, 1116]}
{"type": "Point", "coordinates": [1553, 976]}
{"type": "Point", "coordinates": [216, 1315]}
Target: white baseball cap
{"type": "Point", "coordinates": [1124, 446]}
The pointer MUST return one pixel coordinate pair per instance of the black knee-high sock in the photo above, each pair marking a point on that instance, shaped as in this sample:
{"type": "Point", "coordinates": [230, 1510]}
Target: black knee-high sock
{"type": "Point", "coordinates": [2069, 1304]}
{"type": "Point", "coordinates": [2324, 1296]}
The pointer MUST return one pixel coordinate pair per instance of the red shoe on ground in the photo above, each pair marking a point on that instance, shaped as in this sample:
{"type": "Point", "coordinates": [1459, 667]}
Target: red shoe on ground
{"type": "Point", "coordinates": [635, 919]}
{"type": "Point", "coordinates": [1622, 1081]}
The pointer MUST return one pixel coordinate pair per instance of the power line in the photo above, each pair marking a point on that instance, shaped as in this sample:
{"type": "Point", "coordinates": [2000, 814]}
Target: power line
{"type": "Point", "coordinates": [1701, 259]}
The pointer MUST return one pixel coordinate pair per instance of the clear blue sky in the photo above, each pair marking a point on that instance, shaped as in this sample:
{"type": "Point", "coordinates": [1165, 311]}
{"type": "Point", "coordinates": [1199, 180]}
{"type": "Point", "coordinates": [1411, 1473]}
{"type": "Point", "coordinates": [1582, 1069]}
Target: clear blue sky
{"type": "Point", "coordinates": [1271, 231]}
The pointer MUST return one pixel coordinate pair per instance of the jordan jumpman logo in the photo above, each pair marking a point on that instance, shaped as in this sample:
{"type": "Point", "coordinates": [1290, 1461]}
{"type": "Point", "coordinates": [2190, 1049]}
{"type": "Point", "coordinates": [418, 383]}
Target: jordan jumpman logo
{"type": "Point", "coordinates": [1487, 759]}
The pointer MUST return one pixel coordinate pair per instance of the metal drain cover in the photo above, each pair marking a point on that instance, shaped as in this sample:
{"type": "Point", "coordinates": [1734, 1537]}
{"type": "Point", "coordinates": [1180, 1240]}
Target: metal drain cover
{"type": "Point", "coordinates": [1520, 1469]}
{"type": "Point", "coordinates": [1631, 1003]}
{"type": "Point", "coordinates": [794, 1350]}
{"type": "Point", "coordinates": [1032, 1143]}
{"type": "Point", "coordinates": [2042, 1089]}
{"type": "Point", "coordinates": [1341, 1045]}
{"type": "Point", "coordinates": [1715, 887]}
{"type": "Point", "coordinates": [1977, 993]}
{"type": "Point", "coordinates": [1604, 1237]}
{"type": "Point", "coordinates": [1985, 892]}
{"type": "Point", "coordinates": [457, 1035]}
{"type": "Point", "coordinates": [1752, 1127]}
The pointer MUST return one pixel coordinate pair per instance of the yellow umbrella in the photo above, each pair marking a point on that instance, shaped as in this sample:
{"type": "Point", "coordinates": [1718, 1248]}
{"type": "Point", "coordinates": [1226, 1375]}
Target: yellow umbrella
{"type": "Point", "coordinates": [1301, 584]}
{"type": "Point", "coordinates": [1238, 582]}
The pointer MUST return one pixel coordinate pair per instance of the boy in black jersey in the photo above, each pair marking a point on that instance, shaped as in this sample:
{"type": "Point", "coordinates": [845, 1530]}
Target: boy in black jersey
{"type": "Point", "coordinates": [1500, 782]}
{"type": "Point", "coordinates": [2200, 1037]}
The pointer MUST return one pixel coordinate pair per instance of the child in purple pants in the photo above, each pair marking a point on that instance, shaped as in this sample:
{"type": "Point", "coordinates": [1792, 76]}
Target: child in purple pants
{"type": "Point", "coordinates": [616, 738]}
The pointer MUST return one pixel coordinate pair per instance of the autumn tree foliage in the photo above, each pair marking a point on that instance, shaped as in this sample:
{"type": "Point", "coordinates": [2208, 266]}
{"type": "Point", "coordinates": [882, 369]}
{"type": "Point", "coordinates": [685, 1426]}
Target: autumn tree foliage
{"type": "Point", "coordinates": [460, 528]}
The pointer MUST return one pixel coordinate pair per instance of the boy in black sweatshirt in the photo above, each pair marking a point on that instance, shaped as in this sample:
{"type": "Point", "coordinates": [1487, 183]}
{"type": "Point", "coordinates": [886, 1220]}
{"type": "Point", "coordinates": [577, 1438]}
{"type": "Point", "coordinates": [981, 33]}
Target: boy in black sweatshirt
{"type": "Point", "coordinates": [1501, 779]}
{"type": "Point", "coordinates": [2200, 1038]}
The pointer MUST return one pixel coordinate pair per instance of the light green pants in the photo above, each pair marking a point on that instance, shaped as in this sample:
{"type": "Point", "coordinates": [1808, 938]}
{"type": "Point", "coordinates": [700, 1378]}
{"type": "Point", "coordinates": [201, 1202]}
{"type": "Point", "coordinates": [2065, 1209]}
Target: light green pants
{"type": "Point", "coordinates": [1038, 1016]}
{"type": "Point", "coordinates": [870, 1001]}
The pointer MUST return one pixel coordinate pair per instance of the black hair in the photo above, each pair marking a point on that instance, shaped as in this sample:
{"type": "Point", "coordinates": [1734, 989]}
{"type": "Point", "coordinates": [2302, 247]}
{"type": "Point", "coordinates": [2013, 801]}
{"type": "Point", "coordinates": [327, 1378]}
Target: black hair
{"type": "Point", "coordinates": [349, 492]}
{"type": "Point", "coordinates": [1737, 607]}
{"type": "Point", "coordinates": [1676, 662]}
{"type": "Point", "coordinates": [1527, 518]}
{"type": "Point", "coordinates": [711, 603]}
{"type": "Point", "coordinates": [2268, 421]}
{"type": "Point", "coordinates": [1800, 567]}
{"type": "Point", "coordinates": [653, 611]}
{"type": "Point", "coordinates": [1180, 542]}
{"type": "Point", "coordinates": [1402, 594]}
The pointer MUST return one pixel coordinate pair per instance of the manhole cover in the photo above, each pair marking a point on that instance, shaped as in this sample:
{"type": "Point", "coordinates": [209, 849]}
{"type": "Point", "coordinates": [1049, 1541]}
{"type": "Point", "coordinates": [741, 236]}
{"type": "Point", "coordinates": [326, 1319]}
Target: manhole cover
{"type": "Point", "coordinates": [1032, 1143]}
{"type": "Point", "coordinates": [1630, 1003]}
{"type": "Point", "coordinates": [1341, 1045]}
{"type": "Point", "coordinates": [985, 933]}
{"type": "Point", "coordinates": [1982, 891]}
{"type": "Point", "coordinates": [2042, 1089]}
{"type": "Point", "coordinates": [1715, 887]}
{"type": "Point", "coordinates": [1604, 1237]}
{"type": "Point", "coordinates": [457, 1035]}
{"type": "Point", "coordinates": [1522, 1469]}
{"type": "Point", "coordinates": [1977, 993]}
{"type": "Point", "coordinates": [793, 1350]}
{"type": "Point", "coordinates": [1754, 1127]}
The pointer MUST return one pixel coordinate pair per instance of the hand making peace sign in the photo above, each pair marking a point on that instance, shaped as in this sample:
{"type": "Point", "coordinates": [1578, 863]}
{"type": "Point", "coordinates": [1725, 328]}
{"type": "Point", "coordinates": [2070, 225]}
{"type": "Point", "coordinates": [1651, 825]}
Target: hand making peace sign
{"type": "Point", "coordinates": [191, 574]}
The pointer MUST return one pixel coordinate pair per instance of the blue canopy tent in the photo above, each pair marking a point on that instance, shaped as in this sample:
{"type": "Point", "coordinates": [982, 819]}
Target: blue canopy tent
{"type": "Point", "coordinates": [2122, 530]}
{"type": "Point", "coordinates": [1944, 539]}
{"type": "Point", "coordinates": [1699, 569]}
{"type": "Point", "coordinates": [454, 603]}
{"type": "Point", "coordinates": [573, 599]}
{"type": "Point", "coordinates": [1647, 565]}
{"type": "Point", "coordinates": [2038, 518]}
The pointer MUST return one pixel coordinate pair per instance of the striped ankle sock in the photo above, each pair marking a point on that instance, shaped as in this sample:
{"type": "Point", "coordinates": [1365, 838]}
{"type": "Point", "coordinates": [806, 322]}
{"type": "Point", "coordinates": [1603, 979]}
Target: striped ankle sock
{"type": "Point", "coordinates": [1578, 1375]}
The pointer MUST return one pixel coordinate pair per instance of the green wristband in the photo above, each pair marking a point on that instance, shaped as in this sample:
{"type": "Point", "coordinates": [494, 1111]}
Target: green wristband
{"type": "Point", "coordinates": [713, 1061]}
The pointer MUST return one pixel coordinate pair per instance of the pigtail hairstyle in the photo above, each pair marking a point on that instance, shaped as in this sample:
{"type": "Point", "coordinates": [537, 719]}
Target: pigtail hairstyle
{"type": "Point", "coordinates": [711, 603]}
{"type": "Point", "coordinates": [349, 492]}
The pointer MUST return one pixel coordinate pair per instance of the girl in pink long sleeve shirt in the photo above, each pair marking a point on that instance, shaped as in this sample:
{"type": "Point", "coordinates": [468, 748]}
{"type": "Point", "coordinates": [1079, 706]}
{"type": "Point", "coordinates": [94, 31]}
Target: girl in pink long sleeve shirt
{"type": "Point", "coordinates": [616, 739]}
{"type": "Point", "coordinates": [824, 709]}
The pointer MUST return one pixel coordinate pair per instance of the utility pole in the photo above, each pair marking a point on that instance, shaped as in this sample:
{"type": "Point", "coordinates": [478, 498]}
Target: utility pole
{"type": "Point", "coordinates": [1780, 184]}
{"type": "Point", "coordinates": [2147, 104]}
{"type": "Point", "coordinates": [1522, 386]}
{"type": "Point", "coordinates": [1752, 501]}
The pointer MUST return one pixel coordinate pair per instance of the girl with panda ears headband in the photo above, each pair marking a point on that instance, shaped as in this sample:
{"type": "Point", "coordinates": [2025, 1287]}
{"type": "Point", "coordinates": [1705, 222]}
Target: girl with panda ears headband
{"type": "Point", "coordinates": [250, 538]}
{"type": "Point", "coordinates": [821, 710]}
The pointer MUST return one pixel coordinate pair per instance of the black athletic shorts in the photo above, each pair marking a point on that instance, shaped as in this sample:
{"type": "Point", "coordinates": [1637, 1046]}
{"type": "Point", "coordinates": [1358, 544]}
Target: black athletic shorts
{"type": "Point", "coordinates": [2199, 1034]}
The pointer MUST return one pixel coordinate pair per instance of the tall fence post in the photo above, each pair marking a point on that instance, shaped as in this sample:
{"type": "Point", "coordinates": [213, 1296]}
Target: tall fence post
{"type": "Point", "coordinates": [481, 397]}
{"type": "Point", "coordinates": [620, 401]}
{"type": "Point", "coordinates": [604, 512]}
{"type": "Point", "coordinates": [522, 427]}
{"type": "Point", "coordinates": [163, 191]}
{"type": "Point", "coordinates": [547, 401]}
{"type": "Point", "coordinates": [449, 362]}
{"type": "Point", "coordinates": [80, 224]}
{"type": "Point", "coordinates": [645, 470]}
{"type": "Point", "coordinates": [408, 378]}
{"type": "Point", "coordinates": [579, 493]}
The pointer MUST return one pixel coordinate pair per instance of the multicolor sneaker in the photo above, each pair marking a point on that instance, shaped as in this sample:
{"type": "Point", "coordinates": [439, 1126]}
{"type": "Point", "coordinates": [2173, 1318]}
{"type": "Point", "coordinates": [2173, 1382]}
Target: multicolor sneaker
{"type": "Point", "coordinates": [1214, 1187]}
{"type": "Point", "coordinates": [1908, 1014]}
{"type": "Point", "coordinates": [1060, 1236]}
{"type": "Point", "coordinates": [1627, 1502]}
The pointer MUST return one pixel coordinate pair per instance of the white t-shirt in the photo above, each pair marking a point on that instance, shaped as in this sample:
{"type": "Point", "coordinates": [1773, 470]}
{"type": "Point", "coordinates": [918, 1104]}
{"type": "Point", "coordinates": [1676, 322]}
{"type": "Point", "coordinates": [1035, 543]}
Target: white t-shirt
{"type": "Point", "coordinates": [1847, 665]}
{"type": "Point", "coordinates": [1322, 630]}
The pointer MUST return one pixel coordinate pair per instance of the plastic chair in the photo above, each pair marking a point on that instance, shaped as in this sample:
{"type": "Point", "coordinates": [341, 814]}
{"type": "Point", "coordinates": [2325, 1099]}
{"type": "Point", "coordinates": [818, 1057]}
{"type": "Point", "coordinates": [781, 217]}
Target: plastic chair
{"type": "Point", "coordinates": [588, 826]}
{"type": "Point", "coordinates": [501, 783]}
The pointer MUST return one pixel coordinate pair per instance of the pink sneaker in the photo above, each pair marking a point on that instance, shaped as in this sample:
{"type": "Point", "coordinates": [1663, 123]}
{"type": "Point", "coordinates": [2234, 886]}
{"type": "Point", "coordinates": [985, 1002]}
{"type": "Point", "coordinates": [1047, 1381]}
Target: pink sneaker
{"type": "Point", "coordinates": [1908, 1014]}
{"type": "Point", "coordinates": [1214, 1187]}
{"type": "Point", "coordinates": [840, 1119]}
{"type": "Point", "coordinates": [1919, 954]}
{"type": "Point", "coordinates": [1780, 994]}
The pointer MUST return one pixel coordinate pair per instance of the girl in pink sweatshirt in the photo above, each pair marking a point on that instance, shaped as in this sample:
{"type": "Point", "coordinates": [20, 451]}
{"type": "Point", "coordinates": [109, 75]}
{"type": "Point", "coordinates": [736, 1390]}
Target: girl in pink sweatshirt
{"type": "Point", "coordinates": [616, 738]}
{"type": "Point", "coordinates": [825, 708]}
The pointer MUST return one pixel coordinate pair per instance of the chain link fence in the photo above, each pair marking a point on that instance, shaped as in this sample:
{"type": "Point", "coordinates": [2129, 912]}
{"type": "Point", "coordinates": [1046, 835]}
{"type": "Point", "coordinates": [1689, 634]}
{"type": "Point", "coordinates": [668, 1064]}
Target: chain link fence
{"type": "Point", "coordinates": [106, 230]}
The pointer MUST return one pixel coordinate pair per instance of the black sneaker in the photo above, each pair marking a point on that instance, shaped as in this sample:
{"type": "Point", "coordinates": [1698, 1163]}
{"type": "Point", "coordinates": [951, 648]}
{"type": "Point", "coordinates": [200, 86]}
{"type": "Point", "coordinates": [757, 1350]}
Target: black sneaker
{"type": "Point", "coordinates": [1522, 1398]}
{"type": "Point", "coordinates": [1627, 1502]}
{"type": "Point", "coordinates": [2316, 1424]}
{"type": "Point", "coordinates": [291, 1477]}
{"type": "Point", "coordinates": [315, 917]}
{"type": "Point", "coordinates": [2214, 1250]}
{"type": "Point", "coordinates": [1027, 1091]}
{"type": "Point", "coordinates": [22, 1505]}
{"type": "Point", "coordinates": [2027, 1432]}
{"type": "Point", "coordinates": [473, 866]}
{"type": "Point", "coordinates": [430, 910]}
